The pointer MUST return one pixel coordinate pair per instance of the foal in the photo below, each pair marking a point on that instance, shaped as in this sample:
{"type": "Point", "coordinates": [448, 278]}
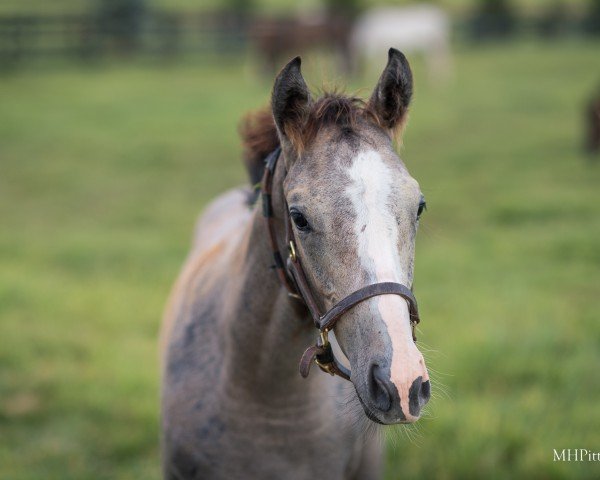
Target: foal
{"type": "Point", "coordinates": [233, 404]}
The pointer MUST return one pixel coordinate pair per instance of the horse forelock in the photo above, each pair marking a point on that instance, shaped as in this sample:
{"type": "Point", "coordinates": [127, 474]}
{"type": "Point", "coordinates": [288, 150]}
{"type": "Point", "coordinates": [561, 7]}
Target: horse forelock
{"type": "Point", "coordinates": [335, 109]}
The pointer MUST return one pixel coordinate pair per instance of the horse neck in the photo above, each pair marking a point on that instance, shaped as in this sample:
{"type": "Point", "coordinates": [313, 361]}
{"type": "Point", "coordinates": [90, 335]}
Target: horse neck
{"type": "Point", "coordinates": [268, 331]}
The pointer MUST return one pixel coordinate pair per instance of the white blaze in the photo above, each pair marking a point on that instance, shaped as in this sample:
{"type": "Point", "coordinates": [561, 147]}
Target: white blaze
{"type": "Point", "coordinates": [377, 231]}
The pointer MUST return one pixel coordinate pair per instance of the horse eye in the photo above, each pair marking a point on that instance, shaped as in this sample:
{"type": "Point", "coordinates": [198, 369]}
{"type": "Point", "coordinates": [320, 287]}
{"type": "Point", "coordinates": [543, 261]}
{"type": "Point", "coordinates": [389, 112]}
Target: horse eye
{"type": "Point", "coordinates": [422, 208]}
{"type": "Point", "coordinates": [299, 220]}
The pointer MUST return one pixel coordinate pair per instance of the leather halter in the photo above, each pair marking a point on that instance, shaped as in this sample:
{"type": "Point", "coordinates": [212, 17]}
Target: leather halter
{"type": "Point", "coordinates": [293, 278]}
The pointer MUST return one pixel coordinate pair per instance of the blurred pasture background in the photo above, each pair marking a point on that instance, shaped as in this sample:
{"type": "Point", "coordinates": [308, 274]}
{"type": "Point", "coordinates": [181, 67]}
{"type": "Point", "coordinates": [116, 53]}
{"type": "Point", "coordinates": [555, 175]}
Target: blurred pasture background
{"type": "Point", "coordinates": [112, 139]}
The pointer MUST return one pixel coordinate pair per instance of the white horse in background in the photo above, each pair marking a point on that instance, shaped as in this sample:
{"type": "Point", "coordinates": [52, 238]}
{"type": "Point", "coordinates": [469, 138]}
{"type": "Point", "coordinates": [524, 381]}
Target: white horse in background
{"type": "Point", "coordinates": [421, 29]}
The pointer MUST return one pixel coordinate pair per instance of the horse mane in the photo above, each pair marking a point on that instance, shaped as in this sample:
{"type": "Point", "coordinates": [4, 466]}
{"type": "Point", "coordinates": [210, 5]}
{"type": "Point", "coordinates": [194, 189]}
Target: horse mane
{"type": "Point", "coordinates": [259, 138]}
{"type": "Point", "coordinates": [259, 133]}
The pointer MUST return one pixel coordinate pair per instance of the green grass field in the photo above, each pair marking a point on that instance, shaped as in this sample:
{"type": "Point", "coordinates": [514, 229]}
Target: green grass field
{"type": "Point", "coordinates": [103, 171]}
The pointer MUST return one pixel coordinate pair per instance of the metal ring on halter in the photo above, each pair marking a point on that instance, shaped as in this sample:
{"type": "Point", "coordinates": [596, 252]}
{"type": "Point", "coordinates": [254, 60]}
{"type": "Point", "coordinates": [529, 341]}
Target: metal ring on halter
{"type": "Point", "coordinates": [292, 251]}
{"type": "Point", "coordinates": [324, 338]}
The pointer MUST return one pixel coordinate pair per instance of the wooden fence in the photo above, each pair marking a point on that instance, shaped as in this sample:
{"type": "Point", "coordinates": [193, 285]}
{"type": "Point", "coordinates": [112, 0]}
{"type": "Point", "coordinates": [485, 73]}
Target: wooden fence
{"type": "Point", "coordinates": [87, 37]}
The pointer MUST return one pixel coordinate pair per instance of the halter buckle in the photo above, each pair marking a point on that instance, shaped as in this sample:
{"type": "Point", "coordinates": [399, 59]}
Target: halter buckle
{"type": "Point", "coordinates": [323, 342]}
{"type": "Point", "coordinates": [326, 367]}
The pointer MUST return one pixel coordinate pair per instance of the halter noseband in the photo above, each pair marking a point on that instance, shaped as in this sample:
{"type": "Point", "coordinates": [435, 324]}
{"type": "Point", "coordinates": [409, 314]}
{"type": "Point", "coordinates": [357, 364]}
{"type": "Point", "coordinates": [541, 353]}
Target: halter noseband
{"type": "Point", "coordinates": [293, 278]}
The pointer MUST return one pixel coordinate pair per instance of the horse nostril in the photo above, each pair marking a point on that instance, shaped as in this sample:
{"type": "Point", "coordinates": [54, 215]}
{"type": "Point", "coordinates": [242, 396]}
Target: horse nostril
{"type": "Point", "coordinates": [425, 391]}
{"type": "Point", "coordinates": [379, 386]}
{"type": "Point", "coordinates": [418, 395]}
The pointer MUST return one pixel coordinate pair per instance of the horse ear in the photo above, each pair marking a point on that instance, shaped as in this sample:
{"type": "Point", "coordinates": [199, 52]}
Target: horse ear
{"type": "Point", "coordinates": [290, 102]}
{"type": "Point", "coordinates": [392, 95]}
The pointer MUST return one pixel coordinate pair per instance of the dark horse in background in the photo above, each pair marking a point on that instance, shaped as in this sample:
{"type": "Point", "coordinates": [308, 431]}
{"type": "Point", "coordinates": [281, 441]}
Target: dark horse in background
{"type": "Point", "coordinates": [233, 404]}
{"type": "Point", "coordinates": [277, 38]}
{"type": "Point", "coordinates": [274, 38]}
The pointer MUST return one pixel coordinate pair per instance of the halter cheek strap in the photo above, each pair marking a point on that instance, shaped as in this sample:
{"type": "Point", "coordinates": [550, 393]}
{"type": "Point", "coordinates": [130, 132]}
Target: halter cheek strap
{"type": "Point", "coordinates": [292, 276]}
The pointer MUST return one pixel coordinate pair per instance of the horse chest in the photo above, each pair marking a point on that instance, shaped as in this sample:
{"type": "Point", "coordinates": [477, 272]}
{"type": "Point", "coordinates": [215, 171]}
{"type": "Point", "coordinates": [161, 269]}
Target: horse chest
{"type": "Point", "coordinates": [222, 445]}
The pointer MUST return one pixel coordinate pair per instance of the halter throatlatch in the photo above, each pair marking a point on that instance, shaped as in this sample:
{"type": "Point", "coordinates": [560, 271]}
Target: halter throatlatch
{"type": "Point", "coordinates": [293, 278]}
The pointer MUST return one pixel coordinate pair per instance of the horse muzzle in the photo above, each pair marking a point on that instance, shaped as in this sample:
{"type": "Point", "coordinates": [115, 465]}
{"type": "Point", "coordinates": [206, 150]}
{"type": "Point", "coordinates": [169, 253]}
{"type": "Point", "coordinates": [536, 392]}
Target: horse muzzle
{"type": "Point", "coordinates": [388, 402]}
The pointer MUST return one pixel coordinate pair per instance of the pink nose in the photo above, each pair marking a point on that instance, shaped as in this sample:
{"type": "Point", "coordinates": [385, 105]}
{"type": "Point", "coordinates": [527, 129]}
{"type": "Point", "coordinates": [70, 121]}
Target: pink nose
{"type": "Point", "coordinates": [386, 399]}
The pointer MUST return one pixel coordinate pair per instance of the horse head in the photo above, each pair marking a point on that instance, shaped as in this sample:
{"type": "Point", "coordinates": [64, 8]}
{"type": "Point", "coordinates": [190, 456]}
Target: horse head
{"type": "Point", "coordinates": [354, 211]}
